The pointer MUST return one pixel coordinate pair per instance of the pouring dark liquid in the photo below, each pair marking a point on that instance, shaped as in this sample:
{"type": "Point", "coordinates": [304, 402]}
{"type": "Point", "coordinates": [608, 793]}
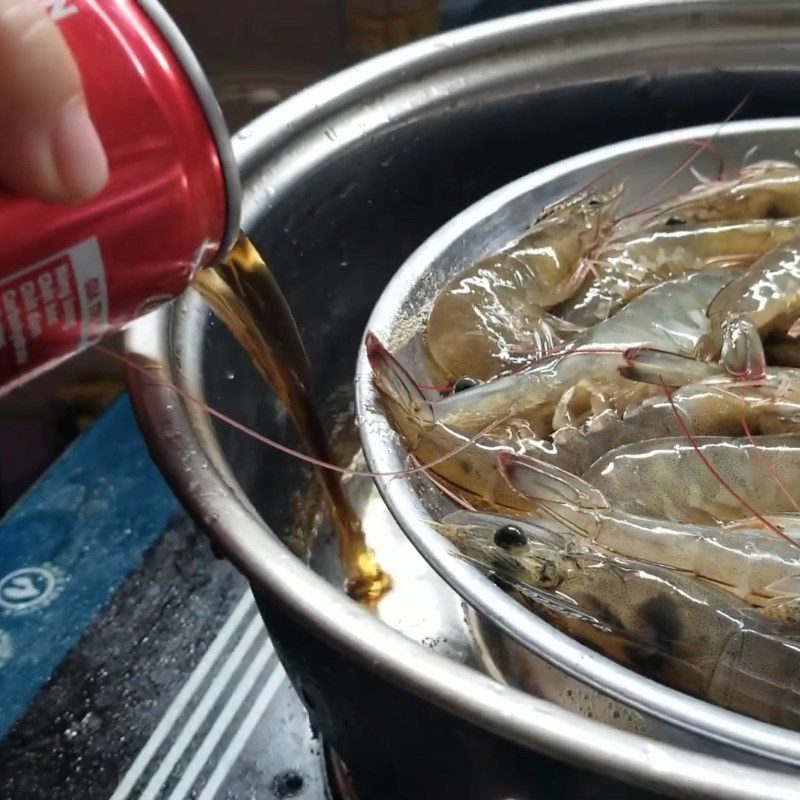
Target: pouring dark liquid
{"type": "Point", "coordinates": [244, 294]}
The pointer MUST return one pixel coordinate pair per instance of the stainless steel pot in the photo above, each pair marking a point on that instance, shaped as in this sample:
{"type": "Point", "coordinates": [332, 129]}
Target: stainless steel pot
{"type": "Point", "coordinates": [342, 182]}
{"type": "Point", "coordinates": [643, 165]}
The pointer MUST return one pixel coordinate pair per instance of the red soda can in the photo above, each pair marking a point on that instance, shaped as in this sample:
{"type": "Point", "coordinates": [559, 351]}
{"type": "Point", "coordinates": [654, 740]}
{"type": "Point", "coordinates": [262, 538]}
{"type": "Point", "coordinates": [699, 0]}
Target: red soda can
{"type": "Point", "coordinates": [71, 274]}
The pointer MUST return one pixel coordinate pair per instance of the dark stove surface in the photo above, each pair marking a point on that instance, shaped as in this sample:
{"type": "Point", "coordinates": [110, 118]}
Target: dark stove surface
{"type": "Point", "coordinates": [133, 663]}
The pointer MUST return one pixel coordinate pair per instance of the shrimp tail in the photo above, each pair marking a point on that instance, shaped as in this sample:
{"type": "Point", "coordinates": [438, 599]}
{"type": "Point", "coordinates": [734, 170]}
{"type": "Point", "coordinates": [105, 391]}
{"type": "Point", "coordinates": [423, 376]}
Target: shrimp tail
{"type": "Point", "coordinates": [649, 365]}
{"type": "Point", "coordinates": [742, 354]}
{"type": "Point", "coordinates": [545, 483]}
{"type": "Point", "coordinates": [392, 380]}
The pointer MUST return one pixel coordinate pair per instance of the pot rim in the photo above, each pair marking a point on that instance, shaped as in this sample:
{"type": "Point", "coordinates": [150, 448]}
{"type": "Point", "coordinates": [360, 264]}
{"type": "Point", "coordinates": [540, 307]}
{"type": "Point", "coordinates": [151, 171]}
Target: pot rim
{"type": "Point", "coordinates": [182, 444]}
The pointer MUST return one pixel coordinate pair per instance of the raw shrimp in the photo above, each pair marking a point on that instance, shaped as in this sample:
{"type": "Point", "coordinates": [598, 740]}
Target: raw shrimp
{"type": "Point", "coordinates": [471, 470]}
{"type": "Point", "coordinates": [491, 311]}
{"type": "Point", "coordinates": [586, 404]}
{"type": "Point", "coordinates": [707, 402]}
{"type": "Point", "coordinates": [768, 294]}
{"type": "Point", "coordinates": [752, 563]}
{"type": "Point", "coordinates": [669, 316]}
{"type": "Point", "coordinates": [667, 479]}
{"type": "Point", "coordinates": [689, 634]}
{"type": "Point", "coordinates": [716, 406]}
{"type": "Point", "coordinates": [769, 190]}
{"type": "Point", "coordinates": [626, 268]}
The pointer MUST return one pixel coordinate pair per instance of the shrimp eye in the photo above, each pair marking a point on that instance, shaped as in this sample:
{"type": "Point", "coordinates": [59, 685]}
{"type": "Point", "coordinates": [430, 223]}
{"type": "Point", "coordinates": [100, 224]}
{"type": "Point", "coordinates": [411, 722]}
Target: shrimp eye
{"type": "Point", "coordinates": [465, 382]}
{"type": "Point", "coordinates": [676, 221]}
{"type": "Point", "coordinates": [594, 202]}
{"type": "Point", "coordinates": [509, 536]}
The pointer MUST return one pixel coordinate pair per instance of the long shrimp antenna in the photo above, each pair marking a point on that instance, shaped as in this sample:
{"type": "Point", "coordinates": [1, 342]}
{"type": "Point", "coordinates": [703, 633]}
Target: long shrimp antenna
{"type": "Point", "coordinates": [722, 482]}
{"type": "Point", "coordinates": [699, 144]}
{"type": "Point", "coordinates": [459, 501]}
{"type": "Point", "coordinates": [690, 160]}
{"type": "Point", "coordinates": [288, 450]}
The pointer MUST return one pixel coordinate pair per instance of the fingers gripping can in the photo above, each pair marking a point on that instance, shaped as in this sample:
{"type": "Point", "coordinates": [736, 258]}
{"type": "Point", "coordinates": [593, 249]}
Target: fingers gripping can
{"type": "Point", "coordinates": [71, 274]}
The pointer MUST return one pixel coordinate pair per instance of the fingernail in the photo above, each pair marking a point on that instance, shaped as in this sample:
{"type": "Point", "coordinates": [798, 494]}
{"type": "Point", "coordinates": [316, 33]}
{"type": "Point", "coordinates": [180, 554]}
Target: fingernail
{"type": "Point", "coordinates": [78, 153]}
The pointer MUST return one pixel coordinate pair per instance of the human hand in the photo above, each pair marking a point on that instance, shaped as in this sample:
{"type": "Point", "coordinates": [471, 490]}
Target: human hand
{"type": "Point", "coordinates": [49, 148]}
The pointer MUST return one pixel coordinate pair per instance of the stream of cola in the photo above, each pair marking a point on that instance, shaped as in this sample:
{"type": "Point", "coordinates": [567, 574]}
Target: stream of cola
{"type": "Point", "coordinates": [243, 293]}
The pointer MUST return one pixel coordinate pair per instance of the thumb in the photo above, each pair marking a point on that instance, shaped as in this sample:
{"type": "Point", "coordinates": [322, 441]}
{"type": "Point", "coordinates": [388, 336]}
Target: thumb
{"type": "Point", "coordinates": [49, 148]}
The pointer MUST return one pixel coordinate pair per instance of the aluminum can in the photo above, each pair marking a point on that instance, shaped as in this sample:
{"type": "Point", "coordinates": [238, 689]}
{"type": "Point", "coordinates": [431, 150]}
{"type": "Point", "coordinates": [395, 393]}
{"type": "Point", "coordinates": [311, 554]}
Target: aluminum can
{"type": "Point", "coordinates": [69, 275]}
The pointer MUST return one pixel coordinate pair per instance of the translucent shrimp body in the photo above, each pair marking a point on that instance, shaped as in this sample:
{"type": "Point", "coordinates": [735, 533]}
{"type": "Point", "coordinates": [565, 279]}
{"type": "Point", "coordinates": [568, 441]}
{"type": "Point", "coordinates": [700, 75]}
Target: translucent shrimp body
{"type": "Point", "coordinates": [687, 633]}
{"type": "Point", "coordinates": [768, 294]}
{"type": "Point", "coordinates": [717, 406]}
{"type": "Point", "coordinates": [670, 316]}
{"type": "Point", "coordinates": [752, 563]}
{"type": "Point", "coordinates": [667, 479]}
{"type": "Point", "coordinates": [628, 267]}
{"type": "Point", "coordinates": [763, 191]}
{"type": "Point", "coordinates": [485, 319]}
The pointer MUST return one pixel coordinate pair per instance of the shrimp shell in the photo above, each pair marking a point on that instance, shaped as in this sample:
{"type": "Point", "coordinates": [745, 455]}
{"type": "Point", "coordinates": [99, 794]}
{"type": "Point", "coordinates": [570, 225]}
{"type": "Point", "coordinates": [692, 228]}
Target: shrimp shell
{"type": "Point", "coordinates": [768, 294]}
{"type": "Point", "coordinates": [491, 316]}
{"type": "Point", "coordinates": [630, 266]}
{"type": "Point", "coordinates": [667, 479]}
{"type": "Point", "coordinates": [752, 563]}
{"type": "Point", "coordinates": [717, 406]}
{"type": "Point", "coordinates": [770, 191]}
{"type": "Point", "coordinates": [686, 633]}
{"type": "Point", "coordinates": [670, 316]}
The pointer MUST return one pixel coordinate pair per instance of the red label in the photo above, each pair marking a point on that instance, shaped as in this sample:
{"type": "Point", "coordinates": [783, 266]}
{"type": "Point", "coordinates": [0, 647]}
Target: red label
{"type": "Point", "coordinates": [52, 309]}
{"type": "Point", "coordinates": [164, 206]}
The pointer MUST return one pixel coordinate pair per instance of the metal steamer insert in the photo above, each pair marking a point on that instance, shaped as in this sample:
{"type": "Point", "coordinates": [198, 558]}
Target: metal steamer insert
{"type": "Point", "coordinates": [645, 166]}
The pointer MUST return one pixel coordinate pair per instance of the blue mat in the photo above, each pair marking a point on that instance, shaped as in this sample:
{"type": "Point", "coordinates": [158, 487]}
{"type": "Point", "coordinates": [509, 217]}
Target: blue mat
{"type": "Point", "coordinates": [67, 545]}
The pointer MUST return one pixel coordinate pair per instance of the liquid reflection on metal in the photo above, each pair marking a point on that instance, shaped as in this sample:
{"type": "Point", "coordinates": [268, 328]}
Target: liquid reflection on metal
{"type": "Point", "coordinates": [424, 608]}
{"type": "Point", "coordinates": [419, 604]}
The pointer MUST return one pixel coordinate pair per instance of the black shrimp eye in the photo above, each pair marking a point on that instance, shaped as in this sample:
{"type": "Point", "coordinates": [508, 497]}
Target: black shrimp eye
{"type": "Point", "coordinates": [509, 536]}
{"type": "Point", "coordinates": [676, 221]}
{"type": "Point", "coordinates": [594, 202]}
{"type": "Point", "coordinates": [465, 382]}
